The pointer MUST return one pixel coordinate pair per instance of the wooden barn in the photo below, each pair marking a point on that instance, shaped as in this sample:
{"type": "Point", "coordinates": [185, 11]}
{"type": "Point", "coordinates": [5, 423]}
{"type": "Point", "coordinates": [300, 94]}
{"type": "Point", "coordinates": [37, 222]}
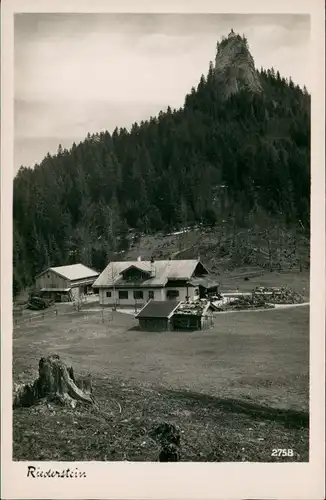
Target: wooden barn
{"type": "Point", "coordinates": [156, 315]}
{"type": "Point", "coordinates": [65, 283]}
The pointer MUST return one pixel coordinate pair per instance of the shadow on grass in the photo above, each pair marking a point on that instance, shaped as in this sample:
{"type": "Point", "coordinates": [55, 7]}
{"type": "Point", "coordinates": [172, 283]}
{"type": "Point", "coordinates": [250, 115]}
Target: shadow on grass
{"type": "Point", "coordinates": [137, 328]}
{"type": "Point", "coordinates": [294, 419]}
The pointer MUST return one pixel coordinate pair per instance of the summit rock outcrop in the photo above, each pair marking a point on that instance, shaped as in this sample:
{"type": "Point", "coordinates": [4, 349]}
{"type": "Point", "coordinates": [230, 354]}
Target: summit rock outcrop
{"type": "Point", "coordinates": [235, 67]}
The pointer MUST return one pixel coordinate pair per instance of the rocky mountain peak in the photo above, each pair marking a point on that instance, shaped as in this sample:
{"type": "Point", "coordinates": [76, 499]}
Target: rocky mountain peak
{"type": "Point", "coordinates": [234, 66]}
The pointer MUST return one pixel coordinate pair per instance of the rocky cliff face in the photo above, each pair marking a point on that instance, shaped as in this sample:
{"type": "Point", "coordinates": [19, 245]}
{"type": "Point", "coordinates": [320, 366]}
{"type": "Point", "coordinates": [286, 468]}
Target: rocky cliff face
{"type": "Point", "coordinates": [235, 67]}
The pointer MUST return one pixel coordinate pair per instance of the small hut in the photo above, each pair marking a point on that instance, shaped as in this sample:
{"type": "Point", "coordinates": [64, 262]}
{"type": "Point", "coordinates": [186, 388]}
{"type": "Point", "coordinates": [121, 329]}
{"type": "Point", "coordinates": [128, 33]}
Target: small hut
{"type": "Point", "coordinates": [156, 315]}
{"type": "Point", "coordinates": [206, 286]}
{"type": "Point", "coordinates": [196, 315]}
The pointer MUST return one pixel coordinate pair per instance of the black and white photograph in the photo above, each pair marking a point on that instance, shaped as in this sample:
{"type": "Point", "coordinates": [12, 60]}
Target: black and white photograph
{"type": "Point", "coordinates": [161, 239]}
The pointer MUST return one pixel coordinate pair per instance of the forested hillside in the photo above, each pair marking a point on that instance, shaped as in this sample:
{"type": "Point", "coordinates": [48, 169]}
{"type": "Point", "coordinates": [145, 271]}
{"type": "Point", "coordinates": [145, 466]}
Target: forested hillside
{"type": "Point", "coordinates": [213, 159]}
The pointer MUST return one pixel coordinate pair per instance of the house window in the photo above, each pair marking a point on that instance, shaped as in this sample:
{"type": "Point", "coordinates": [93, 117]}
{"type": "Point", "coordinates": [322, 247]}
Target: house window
{"type": "Point", "coordinates": [172, 294]}
{"type": "Point", "coordinates": [123, 294]}
{"type": "Point", "coordinates": [138, 294]}
{"type": "Point", "coordinates": [151, 294]}
{"type": "Point", "coordinates": [108, 294]}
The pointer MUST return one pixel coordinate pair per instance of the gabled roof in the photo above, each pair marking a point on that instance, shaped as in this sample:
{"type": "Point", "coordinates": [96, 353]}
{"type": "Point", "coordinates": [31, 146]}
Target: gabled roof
{"type": "Point", "coordinates": [206, 281]}
{"type": "Point", "coordinates": [158, 309]}
{"type": "Point", "coordinates": [139, 267]}
{"type": "Point", "coordinates": [163, 270]}
{"type": "Point", "coordinates": [72, 272]}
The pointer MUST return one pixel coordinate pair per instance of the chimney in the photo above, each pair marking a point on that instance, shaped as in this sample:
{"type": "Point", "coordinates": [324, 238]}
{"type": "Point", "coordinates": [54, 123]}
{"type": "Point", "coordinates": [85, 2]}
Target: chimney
{"type": "Point", "coordinates": [139, 258]}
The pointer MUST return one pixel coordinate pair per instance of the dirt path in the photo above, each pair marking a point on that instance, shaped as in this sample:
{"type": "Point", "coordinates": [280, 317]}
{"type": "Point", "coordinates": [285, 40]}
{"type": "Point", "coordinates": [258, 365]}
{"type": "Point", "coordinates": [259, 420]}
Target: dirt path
{"type": "Point", "coordinates": [287, 306]}
{"type": "Point", "coordinates": [277, 306]}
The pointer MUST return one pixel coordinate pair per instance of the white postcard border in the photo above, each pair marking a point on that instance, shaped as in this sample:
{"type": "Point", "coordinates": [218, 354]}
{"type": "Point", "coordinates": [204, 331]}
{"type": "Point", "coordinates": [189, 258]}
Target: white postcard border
{"type": "Point", "coordinates": [182, 480]}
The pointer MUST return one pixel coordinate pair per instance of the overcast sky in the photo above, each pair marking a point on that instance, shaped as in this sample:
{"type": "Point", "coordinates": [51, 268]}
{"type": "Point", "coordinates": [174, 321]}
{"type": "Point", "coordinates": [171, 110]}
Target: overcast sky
{"type": "Point", "coordinates": [82, 73]}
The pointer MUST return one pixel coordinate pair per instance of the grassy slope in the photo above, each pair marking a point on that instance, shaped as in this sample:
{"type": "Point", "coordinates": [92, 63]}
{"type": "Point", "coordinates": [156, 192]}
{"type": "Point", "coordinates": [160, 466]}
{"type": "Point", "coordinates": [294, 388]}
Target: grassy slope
{"type": "Point", "coordinates": [205, 242]}
{"type": "Point", "coordinates": [212, 429]}
{"type": "Point", "coordinates": [242, 375]}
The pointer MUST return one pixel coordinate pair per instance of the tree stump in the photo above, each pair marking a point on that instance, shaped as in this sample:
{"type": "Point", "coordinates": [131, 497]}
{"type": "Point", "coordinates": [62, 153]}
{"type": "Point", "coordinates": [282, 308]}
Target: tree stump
{"type": "Point", "coordinates": [56, 382]}
{"type": "Point", "coordinates": [168, 437]}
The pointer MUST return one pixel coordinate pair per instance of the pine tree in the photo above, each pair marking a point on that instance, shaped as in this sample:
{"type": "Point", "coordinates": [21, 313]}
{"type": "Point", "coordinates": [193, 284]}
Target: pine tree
{"type": "Point", "coordinates": [165, 172]}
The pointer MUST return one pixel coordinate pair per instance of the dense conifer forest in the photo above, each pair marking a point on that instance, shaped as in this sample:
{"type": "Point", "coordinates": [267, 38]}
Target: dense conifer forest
{"type": "Point", "coordinates": [210, 160]}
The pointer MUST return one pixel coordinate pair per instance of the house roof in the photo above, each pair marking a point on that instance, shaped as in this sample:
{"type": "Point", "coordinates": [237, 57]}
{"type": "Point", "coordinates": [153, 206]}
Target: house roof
{"type": "Point", "coordinates": [207, 282]}
{"type": "Point", "coordinates": [197, 308]}
{"type": "Point", "coordinates": [72, 272]}
{"type": "Point", "coordinates": [158, 309]}
{"type": "Point", "coordinates": [55, 290]}
{"type": "Point", "coordinates": [162, 270]}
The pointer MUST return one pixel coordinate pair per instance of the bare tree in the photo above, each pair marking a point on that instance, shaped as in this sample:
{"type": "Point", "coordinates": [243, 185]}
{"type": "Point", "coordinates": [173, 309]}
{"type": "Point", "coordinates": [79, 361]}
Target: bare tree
{"type": "Point", "coordinates": [301, 240]}
{"type": "Point", "coordinates": [113, 275]}
{"type": "Point", "coordinates": [183, 219]}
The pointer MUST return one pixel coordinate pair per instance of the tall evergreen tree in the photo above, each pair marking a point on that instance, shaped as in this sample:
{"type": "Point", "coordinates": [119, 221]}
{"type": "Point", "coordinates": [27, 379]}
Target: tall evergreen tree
{"type": "Point", "coordinates": [166, 172]}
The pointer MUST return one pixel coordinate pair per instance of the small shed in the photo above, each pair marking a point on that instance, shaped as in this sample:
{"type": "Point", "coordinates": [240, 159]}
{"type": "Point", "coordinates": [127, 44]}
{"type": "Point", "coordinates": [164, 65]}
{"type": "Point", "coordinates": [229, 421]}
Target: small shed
{"type": "Point", "coordinates": [206, 285]}
{"type": "Point", "coordinates": [196, 315]}
{"type": "Point", "coordinates": [156, 315]}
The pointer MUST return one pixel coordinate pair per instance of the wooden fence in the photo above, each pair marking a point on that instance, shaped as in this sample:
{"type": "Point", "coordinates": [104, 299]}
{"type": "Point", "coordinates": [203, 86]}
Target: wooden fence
{"type": "Point", "coordinates": [23, 319]}
{"type": "Point", "coordinates": [102, 313]}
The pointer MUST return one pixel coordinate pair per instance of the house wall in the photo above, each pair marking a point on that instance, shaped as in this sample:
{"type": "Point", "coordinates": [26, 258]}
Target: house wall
{"type": "Point", "coordinates": [51, 280]}
{"type": "Point", "coordinates": [186, 322]}
{"type": "Point", "coordinates": [154, 324]}
{"type": "Point", "coordinates": [159, 294]}
{"type": "Point", "coordinates": [192, 322]}
{"type": "Point", "coordinates": [114, 298]}
{"type": "Point", "coordinates": [78, 289]}
{"type": "Point", "coordinates": [182, 293]}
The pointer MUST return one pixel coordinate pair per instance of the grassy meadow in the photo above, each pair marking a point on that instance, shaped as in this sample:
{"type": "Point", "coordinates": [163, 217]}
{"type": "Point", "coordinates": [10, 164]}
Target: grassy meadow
{"type": "Point", "coordinates": [237, 391]}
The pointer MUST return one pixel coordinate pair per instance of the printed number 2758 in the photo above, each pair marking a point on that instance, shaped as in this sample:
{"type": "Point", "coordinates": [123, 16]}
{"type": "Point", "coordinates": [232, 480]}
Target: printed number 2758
{"type": "Point", "coordinates": [279, 452]}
